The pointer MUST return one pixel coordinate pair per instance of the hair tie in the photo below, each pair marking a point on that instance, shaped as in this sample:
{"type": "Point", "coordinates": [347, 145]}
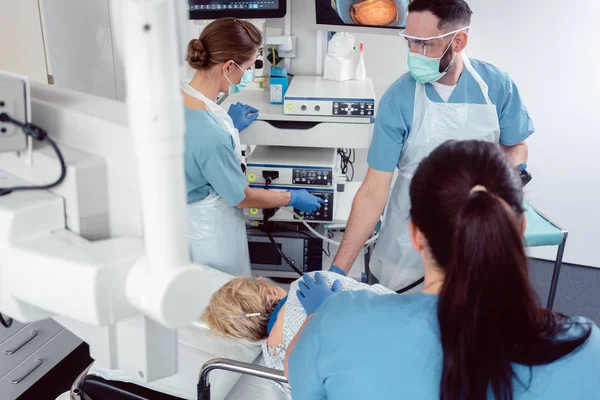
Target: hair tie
{"type": "Point", "coordinates": [477, 188]}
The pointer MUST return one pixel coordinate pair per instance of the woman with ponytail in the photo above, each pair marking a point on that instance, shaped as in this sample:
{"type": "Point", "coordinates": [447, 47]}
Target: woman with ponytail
{"type": "Point", "coordinates": [477, 331]}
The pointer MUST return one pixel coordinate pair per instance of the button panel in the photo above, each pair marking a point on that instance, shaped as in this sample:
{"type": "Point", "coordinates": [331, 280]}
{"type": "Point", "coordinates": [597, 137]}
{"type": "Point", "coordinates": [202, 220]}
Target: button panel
{"type": "Point", "coordinates": [358, 109]}
{"type": "Point", "coordinates": [316, 177]}
{"type": "Point", "coordinates": [325, 213]}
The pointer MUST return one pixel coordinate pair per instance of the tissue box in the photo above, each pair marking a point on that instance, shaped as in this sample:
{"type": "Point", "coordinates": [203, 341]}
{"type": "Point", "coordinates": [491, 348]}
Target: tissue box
{"type": "Point", "coordinates": [339, 68]}
{"type": "Point", "coordinates": [279, 84]}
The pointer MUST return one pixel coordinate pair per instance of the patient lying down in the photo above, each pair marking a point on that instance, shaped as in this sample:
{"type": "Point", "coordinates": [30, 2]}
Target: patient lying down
{"type": "Point", "coordinates": [255, 309]}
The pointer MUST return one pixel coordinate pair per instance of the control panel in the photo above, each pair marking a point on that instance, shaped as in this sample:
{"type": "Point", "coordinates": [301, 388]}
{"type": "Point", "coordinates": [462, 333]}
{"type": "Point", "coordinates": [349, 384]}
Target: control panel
{"type": "Point", "coordinates": [313, 177]}
{"type": "Point", "coordinates": [358, 109]}
{"type": "Point", "coordinates": [324, 214]}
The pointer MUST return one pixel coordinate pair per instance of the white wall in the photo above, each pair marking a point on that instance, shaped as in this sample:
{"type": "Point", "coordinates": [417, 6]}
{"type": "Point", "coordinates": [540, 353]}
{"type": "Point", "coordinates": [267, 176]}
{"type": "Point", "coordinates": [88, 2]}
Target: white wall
{"type": "Point", "coordinates": [548, 48]}
{"type": "Point", "coordinates": [21, 39]}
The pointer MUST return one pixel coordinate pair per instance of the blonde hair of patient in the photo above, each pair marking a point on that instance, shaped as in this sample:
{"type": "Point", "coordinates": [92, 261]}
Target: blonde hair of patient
{"type": "Point", "coordinates": [241, 296]}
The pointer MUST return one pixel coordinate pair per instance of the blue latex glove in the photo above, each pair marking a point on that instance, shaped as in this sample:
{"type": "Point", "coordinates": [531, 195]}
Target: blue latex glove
{"type": "Point", "coordinates": [313, 293]}
{"type": "Point", "coordinates": [242, 115]}
{"type": "Point", "coordinates": [304, 201]}
{"type": "Point", "coordinates": [337, 270]}
{"type": "Point", "coordinates": [521, 167]}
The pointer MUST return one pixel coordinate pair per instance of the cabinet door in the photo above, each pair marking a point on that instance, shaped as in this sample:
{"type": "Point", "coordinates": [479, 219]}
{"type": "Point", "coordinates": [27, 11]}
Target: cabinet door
{"type": "Point", "coordinates": [22, 45]}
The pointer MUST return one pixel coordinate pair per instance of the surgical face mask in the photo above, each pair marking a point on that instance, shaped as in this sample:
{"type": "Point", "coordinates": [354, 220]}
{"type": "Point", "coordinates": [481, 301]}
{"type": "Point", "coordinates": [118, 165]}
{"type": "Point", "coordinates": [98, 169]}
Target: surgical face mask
{"type": "Point", "coordinates": [246, 79]}
{"type": "Point", "coordinates": [427, 69]}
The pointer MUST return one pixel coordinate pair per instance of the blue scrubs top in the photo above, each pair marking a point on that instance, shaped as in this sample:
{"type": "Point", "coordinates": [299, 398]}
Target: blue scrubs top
{"type": "Point", "coordinates": [210, 161]}
{"type": "Point", "coordinates": [395, 112]}
{"type": "Point", "coordinates": [360, 345]}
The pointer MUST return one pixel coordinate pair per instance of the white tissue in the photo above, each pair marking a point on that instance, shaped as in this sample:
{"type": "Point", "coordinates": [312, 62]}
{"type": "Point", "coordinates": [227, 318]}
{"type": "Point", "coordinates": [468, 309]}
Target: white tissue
{"type": "Point", "coordinates": [340, 64]}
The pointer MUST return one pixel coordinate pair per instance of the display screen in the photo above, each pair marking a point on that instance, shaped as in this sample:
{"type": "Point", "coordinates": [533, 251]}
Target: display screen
{"type": "Point", "coordinates": [233, 4]}
{"type": "Point", "coordinates": [213, 9]}
{"type": "Point", "coordinates": [368, 13]}
{"type": "Point", "coordinates": [264, 253]}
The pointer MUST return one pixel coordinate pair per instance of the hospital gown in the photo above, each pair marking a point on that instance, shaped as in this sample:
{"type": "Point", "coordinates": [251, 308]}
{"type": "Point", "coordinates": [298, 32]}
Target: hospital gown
{"type": "Point", "coordinates": [294, 316]}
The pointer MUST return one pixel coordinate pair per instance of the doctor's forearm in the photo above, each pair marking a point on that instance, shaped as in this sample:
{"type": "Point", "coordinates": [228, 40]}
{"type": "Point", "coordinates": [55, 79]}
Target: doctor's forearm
{"type": "Point", "coordinates": [365, 214]}
{"type": "Point", "coordinates": [261, 198]}
{"type": "Point", "coordinates": [516, 154]}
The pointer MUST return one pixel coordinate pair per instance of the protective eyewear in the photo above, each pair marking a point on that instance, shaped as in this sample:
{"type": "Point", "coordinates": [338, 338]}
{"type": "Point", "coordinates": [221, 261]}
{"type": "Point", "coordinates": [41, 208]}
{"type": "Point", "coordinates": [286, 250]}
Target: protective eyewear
{"type": "Point", "coordinates": [427, 42]}
{"type": "Point", "coordinates": [424, 39]}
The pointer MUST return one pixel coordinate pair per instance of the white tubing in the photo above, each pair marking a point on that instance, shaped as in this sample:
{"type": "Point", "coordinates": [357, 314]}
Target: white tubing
{"type": "Point", "coordinates": [326, 239]}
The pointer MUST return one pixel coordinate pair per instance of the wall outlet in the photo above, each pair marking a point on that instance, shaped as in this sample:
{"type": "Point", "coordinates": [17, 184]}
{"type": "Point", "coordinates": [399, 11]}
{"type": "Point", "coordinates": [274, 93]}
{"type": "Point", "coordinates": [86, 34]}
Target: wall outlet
{"type": "Point", "coordinates": [6, 106]}
{"type": "Point", "coordinates": [14, 101]}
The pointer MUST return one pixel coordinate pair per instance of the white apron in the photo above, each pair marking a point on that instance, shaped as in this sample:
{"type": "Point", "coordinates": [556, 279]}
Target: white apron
{"type": "Point", "coordinates": [221, 115]}
{"type": "Point", "coordinates": [395, 262]}
{"type": "Point", "coordinates": [217, 231]}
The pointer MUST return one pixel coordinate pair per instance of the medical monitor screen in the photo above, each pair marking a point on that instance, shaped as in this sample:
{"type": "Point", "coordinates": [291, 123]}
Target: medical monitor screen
{"type": "Point", "coordinates": [390, 14]}
{"type": "Point", "coordinates": [247, 9]}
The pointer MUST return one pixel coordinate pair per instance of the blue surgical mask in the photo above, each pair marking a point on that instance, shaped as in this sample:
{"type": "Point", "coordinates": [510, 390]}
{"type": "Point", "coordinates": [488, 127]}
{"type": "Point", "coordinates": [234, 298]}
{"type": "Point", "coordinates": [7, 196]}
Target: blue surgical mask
{"type": "Point", "coordinates": [246, 79]}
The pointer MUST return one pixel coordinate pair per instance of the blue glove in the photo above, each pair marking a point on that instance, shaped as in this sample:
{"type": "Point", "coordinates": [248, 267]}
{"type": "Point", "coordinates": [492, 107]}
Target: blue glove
{"type": "Point", "coordinates": [304, 201]}
{"type": "Point", "coordinates": [521, 167]}
{"type": "Point", "coordinates": [312, 294]}
{"type": "Point", "coordinates": [337, 270]}
{"type": "Point", "coordinates": [242, 115]}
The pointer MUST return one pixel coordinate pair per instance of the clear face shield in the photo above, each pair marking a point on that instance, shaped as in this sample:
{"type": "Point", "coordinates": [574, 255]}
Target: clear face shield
{"type": "Point", "coordinates": [422, 66]}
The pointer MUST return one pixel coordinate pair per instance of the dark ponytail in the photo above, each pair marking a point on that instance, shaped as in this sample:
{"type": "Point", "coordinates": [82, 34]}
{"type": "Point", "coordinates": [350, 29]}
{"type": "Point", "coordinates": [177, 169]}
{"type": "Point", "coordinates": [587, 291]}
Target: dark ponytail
{"type": "Point", "coordinates": [468, 202]}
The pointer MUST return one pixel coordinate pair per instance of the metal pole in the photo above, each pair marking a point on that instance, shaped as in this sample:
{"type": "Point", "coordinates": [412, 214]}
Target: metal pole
{"type": "Point", "coordinates": [556, 272]}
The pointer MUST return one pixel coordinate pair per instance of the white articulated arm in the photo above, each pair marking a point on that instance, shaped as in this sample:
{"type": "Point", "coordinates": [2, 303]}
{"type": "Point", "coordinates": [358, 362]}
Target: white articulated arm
{"type": "Point", "coordinates": [165, 285]}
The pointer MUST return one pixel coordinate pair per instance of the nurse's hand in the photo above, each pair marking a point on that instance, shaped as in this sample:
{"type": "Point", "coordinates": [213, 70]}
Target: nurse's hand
{"type": "Point", "coordinates": [242, 115]}
{"type": "Point", "coordinates": [314, 292]}
{"type": "Point", "coordinates": [302, 200]}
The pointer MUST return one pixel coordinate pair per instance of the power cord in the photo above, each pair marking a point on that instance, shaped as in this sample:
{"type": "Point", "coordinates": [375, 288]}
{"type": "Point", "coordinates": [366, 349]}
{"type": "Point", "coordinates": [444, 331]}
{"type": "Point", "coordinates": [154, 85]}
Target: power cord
{"type": "Point", "coordinates": [348, 157]}
{"type": "Point", "coordinates": [36, 133]}
{"type": "Point", "coordinates": [268, 213]}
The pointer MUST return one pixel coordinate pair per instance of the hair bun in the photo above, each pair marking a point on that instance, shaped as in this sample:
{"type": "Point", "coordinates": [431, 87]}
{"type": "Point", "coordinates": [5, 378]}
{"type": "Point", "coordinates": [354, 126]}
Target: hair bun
{"type": "Point", "coordinates": [197, 55]}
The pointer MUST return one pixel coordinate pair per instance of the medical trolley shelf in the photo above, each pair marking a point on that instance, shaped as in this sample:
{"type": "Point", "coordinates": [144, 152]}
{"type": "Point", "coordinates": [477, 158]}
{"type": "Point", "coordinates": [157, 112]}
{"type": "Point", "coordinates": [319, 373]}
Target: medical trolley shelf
{"type": "Point", "coordinates": [274, 128]}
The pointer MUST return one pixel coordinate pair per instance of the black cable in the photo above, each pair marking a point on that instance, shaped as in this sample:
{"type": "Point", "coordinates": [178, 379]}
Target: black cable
{"type": "Point", "coordinates": [292, 231]}
{"type": "Point", "coordinates": [412, 285]}
{"type": "Point", "coordinates": [353, 152]}
{"type": "Point", "coordinates": [36, 133]}
{"type": "Point", "coordinates": [348, 156]}
{"type": "Point", "coordinates": [7, 323]}
{"type": "Point", "coordinates": [268, 213]}
{"type": "Point", "coordinates": [329, 236]}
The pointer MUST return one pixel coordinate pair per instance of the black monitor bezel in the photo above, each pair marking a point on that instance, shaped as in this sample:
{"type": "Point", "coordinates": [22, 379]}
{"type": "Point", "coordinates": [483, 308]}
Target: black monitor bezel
{"type": "Point", "coordinates": [241, 14]}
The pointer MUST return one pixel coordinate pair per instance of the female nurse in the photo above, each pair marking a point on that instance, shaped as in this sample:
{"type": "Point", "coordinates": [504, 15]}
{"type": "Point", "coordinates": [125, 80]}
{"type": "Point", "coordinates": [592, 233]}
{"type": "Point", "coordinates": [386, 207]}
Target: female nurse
{"type": "Point", "coordinates": [476, 331]}
{"type": "Point", "coordinates": [217, 191]}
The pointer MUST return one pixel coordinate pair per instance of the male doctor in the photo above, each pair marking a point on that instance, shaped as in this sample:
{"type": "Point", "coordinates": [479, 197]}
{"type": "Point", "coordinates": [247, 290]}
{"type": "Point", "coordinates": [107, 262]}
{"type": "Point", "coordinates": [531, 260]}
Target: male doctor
{"type": "Point", "coordinates": [445, 96]}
